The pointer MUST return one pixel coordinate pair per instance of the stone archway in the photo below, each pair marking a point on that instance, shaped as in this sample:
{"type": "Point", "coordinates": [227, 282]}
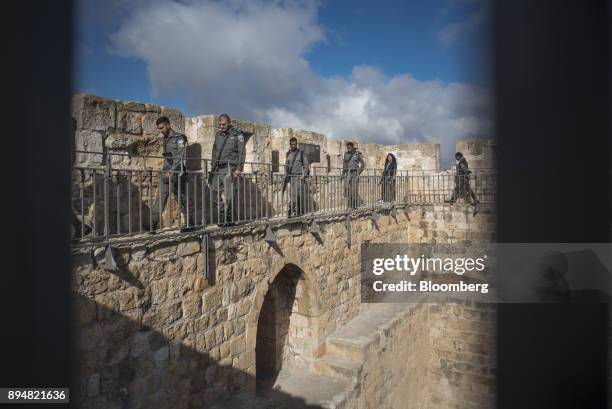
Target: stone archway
{"type": "Point", "coordinates": [286, 327]}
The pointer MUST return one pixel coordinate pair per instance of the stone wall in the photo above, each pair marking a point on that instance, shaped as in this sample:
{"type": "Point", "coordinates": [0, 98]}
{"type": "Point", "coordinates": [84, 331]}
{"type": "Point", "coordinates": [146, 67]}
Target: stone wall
{"type": "Point", "coordinates": [480, 153]}
{"type": "Point", "coordinates": [156, 331]}
{"type": "Point", "coordinates": [129, 127]}
{"type": "Point", "coordinates": [135, 324]}
{"type": "Point", "coordinates": [125, 127]}
{"type": "Point", "coordinates": [425, 356]}
{"type": "Point", "coordinates": [409, 156]}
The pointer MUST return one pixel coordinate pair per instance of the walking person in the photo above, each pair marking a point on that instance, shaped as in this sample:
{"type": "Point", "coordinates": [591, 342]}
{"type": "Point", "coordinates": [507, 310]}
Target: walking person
{"type": "Point", "coordinates": [228, 155]}
{"type": "Point", "coordinates": [173, 175]}
{"type": "Point", "coordinates": [296, 170]}
{"type": "Point", "coordinates": [462, 187]}
{"type": "Point", "coordinates": [352, 166]}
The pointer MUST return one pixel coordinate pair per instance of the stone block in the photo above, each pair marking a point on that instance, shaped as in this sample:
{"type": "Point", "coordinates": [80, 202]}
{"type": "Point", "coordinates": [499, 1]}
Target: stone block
{"type": "Point", "coordinates": [94, 113]}
{"type": "Point", "coordinates": [210, 339]}
{"type": "Point", "coordinates": [123, 141]}
{"type": "Point", "coordinates": [139, 344]}
{"type": "Point", "coordinates": [174, 352]}
{"type": "Point", "coordinates": [90, 141]}
{"type": "Point", "coordinates": [129, 122]}
{"type": "Point", "coordinates": [161, 357]}
{"type": "Point", "coordinates": [192, 305]}
{"type": "Point", "coordinates": [176, 117]}
{"type": "Point", "coordinates": [164, 252]}
{"type": "Point", "coordinates": [139, 253]}
{"type": "Point", "coordinates": [237, 345]}
{"type": "Point", "coordinates": [200, 283]}
{"type": "Point", "coordinates": [224, 350]}
{"type": "Point", "coordinates": [149, 128]}
{"type": "Point", "coordinates": [131, 106]}
{"type": "Point", "coordinates": [86, 310]}
{"type": "Point", "coordinates": [211, 300]}
{"type": "Point", "coordinates": [188, 248]}
{"type": "Point", "coordinates": [160, 315]}
{"type": "Point", "coordinates": [93, 385]}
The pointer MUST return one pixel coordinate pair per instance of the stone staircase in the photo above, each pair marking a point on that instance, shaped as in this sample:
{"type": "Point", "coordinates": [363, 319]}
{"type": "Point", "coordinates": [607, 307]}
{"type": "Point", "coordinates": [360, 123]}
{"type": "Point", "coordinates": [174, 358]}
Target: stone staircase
{"type": "Point", "coordinates": [348, 347]}
{"type": "Point", "coordinates": [334, 382]}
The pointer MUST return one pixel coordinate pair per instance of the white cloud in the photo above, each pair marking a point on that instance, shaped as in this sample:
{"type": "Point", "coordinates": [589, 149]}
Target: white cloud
{"type": "Point", "coordinates": [249, 58]}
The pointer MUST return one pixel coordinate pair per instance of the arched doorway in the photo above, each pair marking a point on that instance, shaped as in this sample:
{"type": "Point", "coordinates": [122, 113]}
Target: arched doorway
{"type": "Point", "coordinates": [285, 328]}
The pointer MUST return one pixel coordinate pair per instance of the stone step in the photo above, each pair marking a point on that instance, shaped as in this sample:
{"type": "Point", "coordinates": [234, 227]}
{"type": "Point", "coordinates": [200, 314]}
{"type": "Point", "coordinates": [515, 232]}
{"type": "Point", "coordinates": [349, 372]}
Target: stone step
{"type": "Point", "coordinates": [362, 334]}
{"type": "Point", "coordinates": [296, 388]}
{"type": "Point", "coordinates": [345, 399]}
{"type": "Point", "coordinates": [338, 368]}
{"type": "Point", "coordinates": [347, 349]}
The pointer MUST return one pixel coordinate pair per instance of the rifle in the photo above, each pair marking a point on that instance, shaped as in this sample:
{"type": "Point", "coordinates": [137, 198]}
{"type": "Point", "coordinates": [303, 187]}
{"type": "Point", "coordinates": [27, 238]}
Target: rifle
{"type": "Point", "coordinates": [286, 182]}
{"type": "Point", "coordinates": [210, 174]}
{"type": "Point", "coordinates": [216, 162]}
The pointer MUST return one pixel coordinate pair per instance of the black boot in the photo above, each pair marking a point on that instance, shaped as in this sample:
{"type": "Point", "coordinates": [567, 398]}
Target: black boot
{"type": "Point", "coordinates": [476, 205]}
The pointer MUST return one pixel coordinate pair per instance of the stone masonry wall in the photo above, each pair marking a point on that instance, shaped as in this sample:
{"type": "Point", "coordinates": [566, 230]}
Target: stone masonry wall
{"type": "Point", "coordinates": [480, 153]}
{"type": "Point", "coordinates": [156, 331]}
{"type": "Point", "coordinates": [119, 129]}
{"type": "Point", "coordinates": [427, 356]}
{"type": "Point", "coordinates": [409, 156]}
{"type": "Point", "coordinates": [437, 355]}
{"type": "Point", "coordinates": [431, 356]}
{"type": "Point", "coordinates": [126, 127]}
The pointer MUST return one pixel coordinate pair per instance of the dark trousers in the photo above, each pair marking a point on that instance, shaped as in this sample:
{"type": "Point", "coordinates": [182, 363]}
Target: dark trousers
{"type": "Point", "coordinates": [463, 189]}
{"type": "Point", "coordinates": [298, 199]}
{"type": "Point", "coordinates": [222, 195]}
{"type": "Point", "coordinates": [388, 189]}
{"type": "Point", "coordinates": [164, 191]}
{"type": "Point", "coordinates": [351, 190]}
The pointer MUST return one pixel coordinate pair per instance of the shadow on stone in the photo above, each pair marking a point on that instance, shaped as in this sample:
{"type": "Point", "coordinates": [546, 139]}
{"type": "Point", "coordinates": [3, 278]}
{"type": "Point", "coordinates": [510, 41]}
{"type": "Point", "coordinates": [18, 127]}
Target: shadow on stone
{"type": "Point", "coordinates": [122, 362]}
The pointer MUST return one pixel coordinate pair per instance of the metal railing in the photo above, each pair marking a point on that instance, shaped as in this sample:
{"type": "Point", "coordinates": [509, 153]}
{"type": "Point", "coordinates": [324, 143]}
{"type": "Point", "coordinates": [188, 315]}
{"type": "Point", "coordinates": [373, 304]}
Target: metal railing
{"type": "Point", "coordinates": [118, 194]}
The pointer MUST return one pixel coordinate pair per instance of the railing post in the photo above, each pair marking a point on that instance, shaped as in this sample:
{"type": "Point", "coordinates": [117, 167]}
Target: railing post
{"type": "Point", "coordinates": [107, 177]}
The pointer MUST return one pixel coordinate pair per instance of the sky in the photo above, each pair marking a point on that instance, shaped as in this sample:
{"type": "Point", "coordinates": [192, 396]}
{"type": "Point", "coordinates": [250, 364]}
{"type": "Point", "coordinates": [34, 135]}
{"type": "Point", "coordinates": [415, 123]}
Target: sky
{"type": "Point", "coordinates": [384, 72]}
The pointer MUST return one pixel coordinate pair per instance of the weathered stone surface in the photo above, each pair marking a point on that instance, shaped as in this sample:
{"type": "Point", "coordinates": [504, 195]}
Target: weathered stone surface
{"type": "Point", "coordinates": [126, 142]}
{"type": "Point", "coordinates": [131, 106]}
{"type": "Point", "coordinates": [176, 117]}
{"type": "Point", "coordinates": [90, 141]}
{"type": "Point", "coordinates": [93, 385]}
{"type": "Point", "coordinates": [139, 253]}
{"type": "Point", "coordinates": [149, 128]}
{"type": "Point", "coordinates": [129, 122]}
{"type": "Point", "coordinates": [164, 252]}
{"type": "Point", "coordinates": [188, 248]}
{"type": "Point", "coordinates": [93, 112]}
{"type": "Point", "coordinates": [162, 356]}
{"type": "Point", "coordinates": [86, 310]}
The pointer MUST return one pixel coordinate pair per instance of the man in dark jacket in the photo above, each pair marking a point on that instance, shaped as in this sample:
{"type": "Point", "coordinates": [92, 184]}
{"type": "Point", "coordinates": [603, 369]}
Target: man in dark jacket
{"type": "Point", "coordinates": [462, 183]}
{"type": "Point", "coordinates": [352, 166]}
{"type": "Point", "coordinates": [228, 155]}
{"type": "Point", "coordinates": [296, 169]}
{"type": "Point", "coordinates": [174, 175]}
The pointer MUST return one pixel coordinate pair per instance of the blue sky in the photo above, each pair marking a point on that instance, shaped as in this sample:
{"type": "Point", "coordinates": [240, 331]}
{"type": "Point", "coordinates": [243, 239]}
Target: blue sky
{"type": "Point", "coordinates": [416, 70]}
